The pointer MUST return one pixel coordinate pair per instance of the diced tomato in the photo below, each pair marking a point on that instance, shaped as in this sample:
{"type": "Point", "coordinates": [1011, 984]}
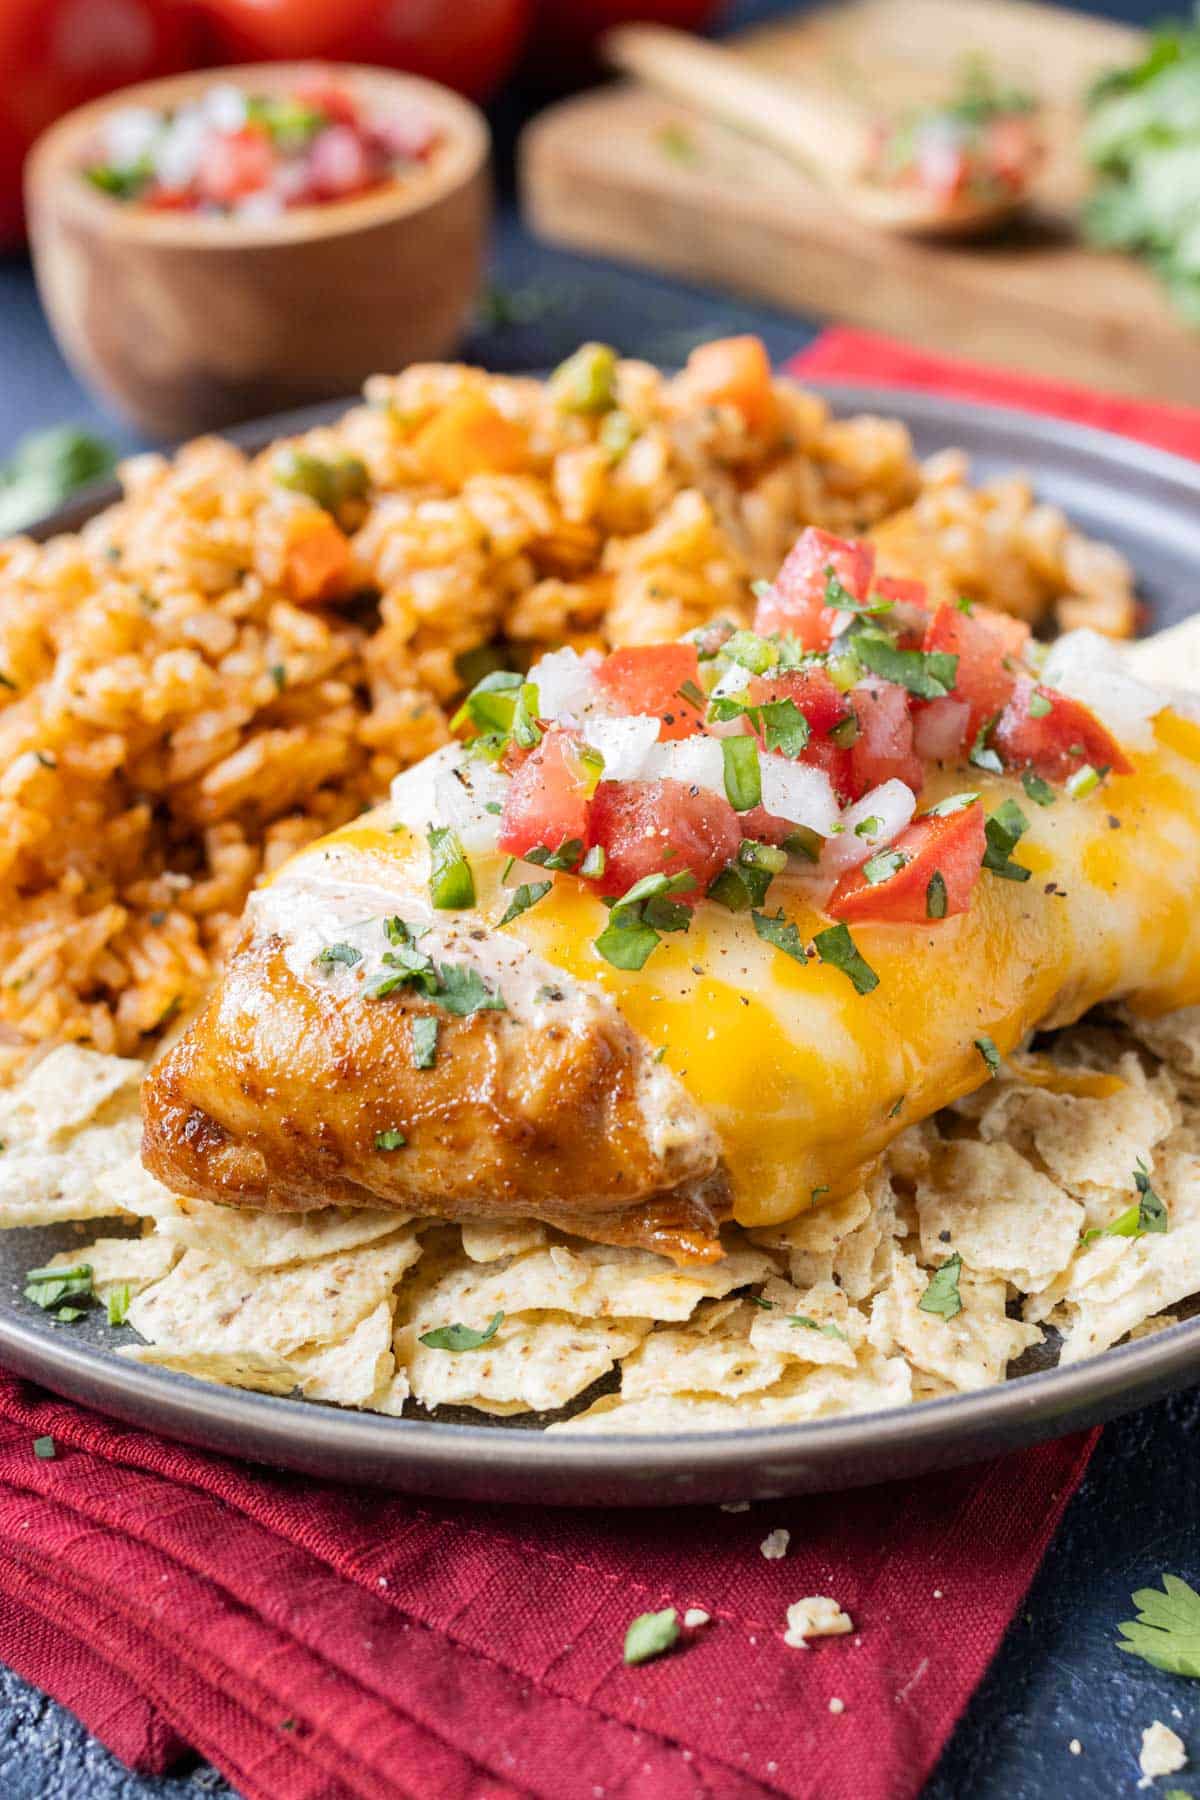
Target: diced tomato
{"type": "Point", "coordinates": [794, 604]}
{"type": "Point", "coordinates": [899, 591]}
{"type": "Point", "coordinates": [547, 800]}
{"type": "Point", "coordinates": [734, 371]}
{"type": "Point", "coordinates": [337, 104]}
{"type": "Point", "coordinates": [662, 827]}
{"type": "Point", "coordinates": [883, 750]}
{"type": "Point", "coordinates": [825, 707]}
{"type": "Point", "coordinates": [1013, 633]}
{"type": "Point", "coordinates": [647, 679]}
{"type": "Point", "coordinates": [982, 679]}
{"type": "Point", "coordinates": [950, 846]}
{"type": "Point", "coordinates": [1054, 745]}
{"type": "Point", "coordinates": [234, 164]}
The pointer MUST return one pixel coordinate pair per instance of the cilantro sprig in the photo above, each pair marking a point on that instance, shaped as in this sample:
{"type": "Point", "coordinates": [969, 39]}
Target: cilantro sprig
{"type": "Point", "coordinates": [638, 919]}
{"type": "Point", "coordinates": [1166, 1632]}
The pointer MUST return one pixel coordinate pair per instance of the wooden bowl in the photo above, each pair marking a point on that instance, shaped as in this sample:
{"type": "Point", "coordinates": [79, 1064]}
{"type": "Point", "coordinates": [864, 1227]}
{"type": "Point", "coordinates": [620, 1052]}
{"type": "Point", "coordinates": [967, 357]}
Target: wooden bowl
{"type": "Point", "coordinates": [186, 322]}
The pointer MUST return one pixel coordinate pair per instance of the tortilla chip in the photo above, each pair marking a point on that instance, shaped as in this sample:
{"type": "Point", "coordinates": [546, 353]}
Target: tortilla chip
{"type": "Point", "coordinates": [491, 1240]}
{"type": "Point", "coordinates": [132, 1262]}
{"type": "Point", "coordinates": [227, 1308]}
{"type": "Point", "coordinates": [64, 1090]}
{"type": "Point", "coordinates": [264, 1240]}
{"type": "Point", "coordinates": [998, 1212]}
{"type": "Point", "coordinates": [248, 1369]}
{"type": "Point", "coordinates": [971, 1350]}
{"type": "Point", "coordinates": [132, 1189]}
{"type": "Point", "coordinates": [813, 1240]}
{"type": "Point", "coordinates": [1087, 1145]}
{"type": "Point", "coordinates": [831, 1338]}
{"type": "Point", "coordinates": [815, 1616]}
{"type": "Point", "coordinates": [1118, 1283]}
{"type": "Point", "coordinates": [591, 1281]}
{"type": "Point", "coordinates": [536, 1362]}
{"type": "Point", "coordinates": [352, 1372]}
{"type": "Point", "coordinates": [1175, 1038]}
{"type": "Point", "coordinates": [876, 1383]}
{"type": "Point", "coordinates": [702, 1358]}
{"type": "Point", "coordinates": [47, 1186]}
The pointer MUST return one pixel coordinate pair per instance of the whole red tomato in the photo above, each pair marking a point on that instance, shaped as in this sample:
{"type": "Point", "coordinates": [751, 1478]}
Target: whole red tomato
{"type": "Point", "coordinates": [467, 44]}
{"type": "Point", "coordinates": [562, 43]}
{"type": "Point", "coordinates": [55, 54]}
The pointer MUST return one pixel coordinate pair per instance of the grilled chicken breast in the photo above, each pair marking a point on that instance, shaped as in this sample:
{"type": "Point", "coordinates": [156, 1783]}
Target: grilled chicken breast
{"type": "Point", "coordinates": [643, 1105]}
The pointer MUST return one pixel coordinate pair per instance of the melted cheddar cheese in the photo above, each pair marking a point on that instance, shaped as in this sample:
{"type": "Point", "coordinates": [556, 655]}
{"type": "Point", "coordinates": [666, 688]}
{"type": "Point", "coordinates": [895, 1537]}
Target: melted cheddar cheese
{"type": "Point", "coordinates": [804, 1079]}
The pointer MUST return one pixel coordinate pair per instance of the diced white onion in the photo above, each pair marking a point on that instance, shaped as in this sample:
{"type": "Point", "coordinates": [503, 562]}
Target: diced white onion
{"type": "Point", "coordinates": [1090, 668]}
{"type": "Point", "coordinates": [450, 788]}
{"type": "Point", "coordinates": [178, 151]}
{"type": "Point", "coordinates": [939, 729]}
{"type": "Point", "coordinates": [696, 761]}
{"type": "Point", "coordinates": [566, 683]}
{"type": "Point", "coordinates": [224, 106]}
{"type": "Point", "coordinates": [735, 680]}
{"type": "Point", "coordinates": [130, 135]}
{"type": "Point", "coordinates": [624, 745]}
{"type": "Point", "coordinates": [892, 803]}
{"type": "Point", "coordinates": [798, 793]}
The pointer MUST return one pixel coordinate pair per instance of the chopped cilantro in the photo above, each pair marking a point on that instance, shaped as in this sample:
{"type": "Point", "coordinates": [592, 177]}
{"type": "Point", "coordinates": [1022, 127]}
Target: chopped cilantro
{"type": "Point", "coordinates": [565, 857]}
{"type": "Point", "coordinates": [527, 895]}
{"type": "Point", "coordinates": [935, 896]}
{"type": "Point", "coordinates": [279, 677]}
{"type": "Point", "coordinates": [50, 1287]}
{"type": "Point", "coordinates": [650, 1635]}
{"type": "Point", "coordinates": [451, 883]}
{"type": "Point", "coordinates": [929, 674]}
{"type": "Point", "coordinates": [830, 1330]}
{"type": "Point", "coordinates": [883, 866]}
{"type": "Point", "coordinates": [842, 600]}
{"type": "Point", "coordinates": [345, 954]}
{"type": "Point", "coordinates": [803, 841]}
{"type": "Point", "coordinates": [785, 727]}
{"type": "Point", "coordinates": [743, 778]}
{"type": "Point", "coordinates": [462, 990]}
{"type": "Point", "coordinates": [846, 732]}
{"type": "Point", "coordinates": [1039, 791]}
{"type": "Point", "coordinates": [781, 932]}
{"type": "Point", "coordinates": [981, 754]}
{"type": "Point", "coordinates": [461, 1337]}
{"type": "Point", "coordinates": [490, 705]}
{"type": "Point", "coordinates": [990, 1055]}
{"type": "Point", "coordinates": [118, 1304]}
{"type": "Point", "coordinates": [1166, 1632]}
{"type": "Point", "coordinates": [953, 803]}
{"type": "Point", "coordinates": [836, 947]}
{"type": "Point", "coordinates": [423, 1035]}
{"type": "Point", "coordinates": [743, 883]}
{"type": "Point", "coordinates": [526, 732]}
{"type": "Point", "coordinates": [640, 916]}
{"type": "Point", "coordinates": [1004, 828]}
{"type": "Point", "coordinates": [942, 1296]}
{"type": "Point", "coordinates": [391, 1139]}
{"type": "Point", "coordinates": [1147, 1215]}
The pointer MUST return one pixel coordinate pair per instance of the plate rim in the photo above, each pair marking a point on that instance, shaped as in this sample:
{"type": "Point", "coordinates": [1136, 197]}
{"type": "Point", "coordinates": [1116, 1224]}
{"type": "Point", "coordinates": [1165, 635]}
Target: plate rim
{"type": "Point", "coordinates": [1029, 1406]}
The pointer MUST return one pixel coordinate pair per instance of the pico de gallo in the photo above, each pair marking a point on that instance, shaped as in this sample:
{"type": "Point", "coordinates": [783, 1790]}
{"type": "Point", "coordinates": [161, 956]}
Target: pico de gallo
{"type": "Point", "coordinates": [251, 155]}
{"type": "Point", "coordinates": [982, 146]}
{"type": "Point", "coordinates": [670, 776]}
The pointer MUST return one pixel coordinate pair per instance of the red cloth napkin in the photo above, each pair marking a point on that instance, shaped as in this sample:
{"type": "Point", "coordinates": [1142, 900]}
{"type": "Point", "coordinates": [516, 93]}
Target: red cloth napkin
{"type": "Point", "coordinates": [317, 1642]}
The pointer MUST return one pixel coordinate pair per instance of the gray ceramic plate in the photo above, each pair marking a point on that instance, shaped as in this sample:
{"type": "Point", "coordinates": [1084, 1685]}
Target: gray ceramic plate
{"type": "Point", "coordinates": [1145, 502]}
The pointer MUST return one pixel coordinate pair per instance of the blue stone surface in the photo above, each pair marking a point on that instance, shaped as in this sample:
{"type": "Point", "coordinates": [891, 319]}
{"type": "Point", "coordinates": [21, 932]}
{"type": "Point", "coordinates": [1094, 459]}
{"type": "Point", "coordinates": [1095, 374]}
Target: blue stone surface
{"type": "Point", "coordinates": [1058, 1675]}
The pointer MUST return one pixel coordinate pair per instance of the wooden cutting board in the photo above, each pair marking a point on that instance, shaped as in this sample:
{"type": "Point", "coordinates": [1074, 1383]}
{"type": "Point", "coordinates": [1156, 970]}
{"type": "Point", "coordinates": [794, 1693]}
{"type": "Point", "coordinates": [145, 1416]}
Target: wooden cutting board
{"type": "Point", "coordinates": [626, 174]}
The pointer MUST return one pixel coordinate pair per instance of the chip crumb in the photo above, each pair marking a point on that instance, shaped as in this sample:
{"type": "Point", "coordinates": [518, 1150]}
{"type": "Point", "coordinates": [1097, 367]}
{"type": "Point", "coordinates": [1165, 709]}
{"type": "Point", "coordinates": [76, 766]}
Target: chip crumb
{"type": "Point", "coordinates": [836, 1705]}
{"type": "Point", "coordinates": [937, 1594]}
{"type": "Point", "coordinates": [1075, 1747]}
{"type": "Point", "coordinates": [735, 1506]}
{"type": "Point", "coordinates": [695, 1616]}
{"type": "Point", "coordinates": [815, 1616]}
{"type": "Point", "coordinates": [1162, 1752]}
{"type": "Point", "coordinates": [775, 1544]}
